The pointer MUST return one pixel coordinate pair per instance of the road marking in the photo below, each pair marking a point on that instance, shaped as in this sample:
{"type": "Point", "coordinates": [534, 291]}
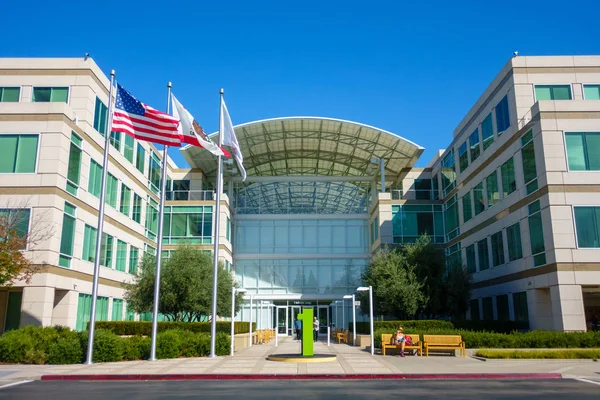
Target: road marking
{"type": "Point", "coordinates": [561, 370]}
{"type": "Point", "coordinates": [588, 381]}
{"type": "Point", "coordinates": [14, 384]}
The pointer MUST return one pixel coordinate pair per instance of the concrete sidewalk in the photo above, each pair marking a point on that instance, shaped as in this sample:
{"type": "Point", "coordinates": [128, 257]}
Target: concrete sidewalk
{"type": "Point", "coordinates": [350, 361]}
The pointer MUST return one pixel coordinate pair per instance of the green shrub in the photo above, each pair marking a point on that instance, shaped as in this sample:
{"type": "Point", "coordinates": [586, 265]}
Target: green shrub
{"type": "Point", "coordinates": [136, 348]}
{"type": "Point", "coordinates": [412, 325]}
{"type": "Point", "coordinates": [108, 347]}
{"type": "Point", "coordinates": [222, 344]}
{"type": "Point", "coordinates": [168, 344]}
{"type": "Point", "coordinates": [14, 345]}
{"type": "Point", "coordinates": [66, 350]}
{"type": "Point", "coordinates": [201, 342]}
{"type": "Point", "coordinates": [34, 356]}
{"type": "Point", "coordinates": [131, 328]}
{"type": "Point", "coordinates": [540, 354]}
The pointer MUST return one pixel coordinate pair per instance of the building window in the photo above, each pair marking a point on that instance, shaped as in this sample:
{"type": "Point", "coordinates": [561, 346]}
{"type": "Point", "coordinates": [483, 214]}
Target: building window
{"type": "Point", "coordinates": [491, 184]}
{"type": "Point", "coordinates": [106, 250]}
{"type": "Point", "coordinates": [529, 169]}
{"type": "Point", "coordinates": [125, 203]}
{"type": "Point", "coordinates": [591, 92]}
{"type": "Point", "coordinates": [178, 190]}
{"type": "Point", "coordinates": [115, 140]}
{"type": "Point", "coordinates": [151, 218]}
{"type": "Point", "coordinates": [448, 173]}
{"type": "Point", "coordinates": [74, 168]}
{"type": "Point", "coordinates": [474, 307]}
{"type": "Point", "coordinates": [435, 187]}
{"type": "Point", "coordinates": [471, 261]}
{"type": "Point", "coordinates": [409, 222]}
{"type": "Point", "coordinates": [374, 230]}
{"type": "Point", "coordinates": [95, 179]}
{"type": "Point", "coordinates": [478, 199]}
{"type": "Point", "coordinates": [520, 307]}
{"type": "Point", "coordinates": [509, 184]}
{"type": "Point", "coordinates": [502, 116]}
{"type": "Point", "coordinates": [453, 257]}
{"type": "Point", "coordinates": [463, 157]}
{"type": "Point", "coordinates": [583, 151]}
{"type": "Point", "coordinates": [16, 221]}
{"type": "Point", "coordinates": [140, 158]}
{"type": "Point", "coordinates": [50, 94]}
{"type": "Point", "coordinates": [100, 117]}
{"type": "Point", "coordinates": [112, 190]}
{"type": "Point", "coordinates": [536, 234]}
{"type": "Point", "coordinates": [188, 224]}
{"type": "Point", "coordinates": [84, 309]}
{"type": "Point", "coordinates": [154, 172]}
{"type": "Point", "coordinates": [117, 310]}
{"type": "Point", "coordinates": [497, 249]}
{"type": "Point", "coordinates": [484, 258]}
{"type": "Point", "coordinates": [502, 307]}
{"type": "Point", "coordinates": [136, 214]}
{"type": "Point", "coordinates": [121, 260]}
{"type": "Point", "coordinates": [552, 92]}
{"type": "Point", "coordinates": [228, 230]}
{"type": "Point", "coordinates": [467, 207]}
{"type": "Point", "coordinates": [513, 240]}
{"type": "Point", "coordinates": [422, 189]}
{"type": "Point", "coordinates": [9, 94]}
{"type": "Point", "coordinates": [89, 243]}
{"type": "Point", "coordinates": [134, 254]}
{"type": "Point", "coordinates": [67, 237]}
{"type": "Point", "coordinates": [128, 148]}
{"type": "Point", "coordinates": [451, 217]}
{"type": "Point", "coordinates": [474, 145]}
{"type": "Point", "coordinates": [18, 153]}
{"type": "Point", "coordinates": [487, 131]}
{"type": "Point", "coordinates": [587, 226]}
{"type": "Point", "coordinates": [488, 308]}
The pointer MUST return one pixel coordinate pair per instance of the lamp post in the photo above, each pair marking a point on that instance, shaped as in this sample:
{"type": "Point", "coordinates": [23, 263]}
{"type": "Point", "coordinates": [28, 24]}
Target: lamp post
{"type": "Point", "coordinates": [234, 290]}
{"type": "Point", "coordinates": [370, 289]}
{"type": "Point", "coordinates": [351, 296]}
{"type": "Point", "coordinates": [250, 328]}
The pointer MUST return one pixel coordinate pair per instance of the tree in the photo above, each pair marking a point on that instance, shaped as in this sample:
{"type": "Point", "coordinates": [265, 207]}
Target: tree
{"type": "Point", "coordinates": [20, 234]}
{"type": "Point", "coordinates": [185, 286]}
{"type": "Point", "coordinates": [397, 290]}
{"type": "Point", "coordinates": [458, 291]}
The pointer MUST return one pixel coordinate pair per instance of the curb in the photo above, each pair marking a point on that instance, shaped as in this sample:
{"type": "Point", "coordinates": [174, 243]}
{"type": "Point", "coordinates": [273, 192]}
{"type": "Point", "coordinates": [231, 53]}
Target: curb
{"type": "Point", "coordinates": [206, 377]}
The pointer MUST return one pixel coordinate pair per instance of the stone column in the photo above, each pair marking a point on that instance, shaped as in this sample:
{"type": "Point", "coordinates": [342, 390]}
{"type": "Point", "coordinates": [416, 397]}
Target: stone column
{"type": "Point", "coordinates": [567, 308]}
{"type": "Point", "coordinates": [37, 306]}
{"type": "Point", "coordinates": [65, 308]}
{"type": "Point", "coordinates": [539, 307]}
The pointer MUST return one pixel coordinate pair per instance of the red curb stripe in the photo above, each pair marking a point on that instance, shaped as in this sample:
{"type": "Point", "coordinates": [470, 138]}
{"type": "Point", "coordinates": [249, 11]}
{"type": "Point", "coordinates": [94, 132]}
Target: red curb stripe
{"type": "Point", "coordinates": [198, 377]}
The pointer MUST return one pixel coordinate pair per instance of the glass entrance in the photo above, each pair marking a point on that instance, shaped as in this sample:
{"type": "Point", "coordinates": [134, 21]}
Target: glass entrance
{"type": "Point", "coordinates": [282, 320]}
{"type": "Point", "coordinates": [323, 317]}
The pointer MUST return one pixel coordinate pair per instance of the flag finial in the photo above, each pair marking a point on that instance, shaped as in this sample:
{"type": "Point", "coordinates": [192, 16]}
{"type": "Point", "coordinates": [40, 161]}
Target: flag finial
{"type": "Point", "coordinates": [221, 91]}
{"type": "Point", "coordinates": [169, 84]}
{"type": "Point", "coordinates": [112, 72]}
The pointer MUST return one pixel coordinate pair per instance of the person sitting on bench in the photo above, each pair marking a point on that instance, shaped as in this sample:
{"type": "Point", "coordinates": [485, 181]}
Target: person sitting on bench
{"type": "Point", "coordinates": [399, 340]}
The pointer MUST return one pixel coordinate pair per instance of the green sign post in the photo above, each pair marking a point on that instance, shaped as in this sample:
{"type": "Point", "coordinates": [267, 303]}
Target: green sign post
{"type": "Point", "coordinates": [306, 317]}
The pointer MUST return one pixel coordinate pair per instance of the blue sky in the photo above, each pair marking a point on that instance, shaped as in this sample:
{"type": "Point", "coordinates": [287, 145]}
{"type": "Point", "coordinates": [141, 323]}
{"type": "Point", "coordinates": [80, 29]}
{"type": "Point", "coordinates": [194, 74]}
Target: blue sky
{"type": "Point", "coordinates": [412, 69]}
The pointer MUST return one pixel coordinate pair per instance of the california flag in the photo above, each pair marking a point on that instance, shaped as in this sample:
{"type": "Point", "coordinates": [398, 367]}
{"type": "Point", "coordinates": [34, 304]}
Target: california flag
{"type": "Point", "coordinates": [191, 132]}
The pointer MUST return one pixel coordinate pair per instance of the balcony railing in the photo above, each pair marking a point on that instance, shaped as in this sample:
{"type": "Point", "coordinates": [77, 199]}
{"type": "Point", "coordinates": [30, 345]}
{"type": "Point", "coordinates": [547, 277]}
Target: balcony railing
{"type": "Point", "coordinates": [190, 195]}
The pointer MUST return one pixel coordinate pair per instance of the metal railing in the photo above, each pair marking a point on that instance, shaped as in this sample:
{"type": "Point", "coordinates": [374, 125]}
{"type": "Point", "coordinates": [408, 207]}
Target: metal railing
{"type": "Point", "coordinates": [187, 195]}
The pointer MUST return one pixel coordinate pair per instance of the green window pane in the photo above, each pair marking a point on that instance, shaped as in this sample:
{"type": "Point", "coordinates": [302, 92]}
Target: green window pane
{"type": "Point", "coordinates": [130, 314]}
{"type": "Point", "coordinates": [8, 153]}
{"type": "Point", "coordinates": [100, 117]}
{"type": "Point", "coordinates": [112, 188]}
{"type": "Point", "coordinates": [68, 235]}
{"type": "Point", "coordinates": [41, 95]}
{"type": "Point", "coordinates": [471, 261]}
{"type": "Point", "coordinates": [575, 151]}
{"type": "Point", "coordinates": [467, 207]}
{"type": "Point", "coordinates": [124, 204]}
{"type": "Point", "coordinates": [95, 179]}
{"type": "Point", "coordinates": [526, 138]}
{"type": "Point", "coordinates": [128, 148]}
{"type": "Point", "coordinates": [448, 172]}
{"type": "Point", "coordinates": [137, 208]}
{"type": "Point", "coordinates": [474, 145]}
{"type": "Point", "coordinates": [497, 249]}
{"type": "Point", "coordinates": [474, 307]}
{"type": "Point", "coordinates": [74, 164]}
{"type": "Point", "coordinates": [592, 147]}
{"type": "Point", "coordinates": [106, 250]}
{"type": "Point", "coordinates": [478, 199]}
{"type": "Point", "coordinates": [115, 140]}
{"type": "Point", "coordinates": [117, 310]}
{"type": "Point", "coordinates": [140, 158]}
{"type": "Point", "coordinates": [513, 240]}
{"type": "Point", "coordinates": [451, 216]}
{"type": "Point", "coordinates": [463, 157]}
{"type": "Point", "coordinates": [509, 184]}
{"type": "Point", "coordinates": [482, 249]}
{"type": "Point", "coordinates": [502, 307]}
{"type": "Point", "coordinates": [488, 309]}
{"type": "Point", "coordinates": [502, 116]}
{"type": "Point", "coordinates": [27, 153]}
{"type": "Point", "coordinates": [121, 256]}
{"type": "Point", "coordinates": [69, 209]}
{"type": "Point", "coordinates": [562, 92]}
{"type": "Point", "coordinates": [587, 223]}
{"type": "Point", "coordinates": [552, 92]}
{"type": "Point", "coordinates": [543, 93]}
{"type": "Point", "coordinates": [102, 308]}
{"type": "Point", "coordinates": [536, 236]}
{"type": "Point", "coordinates": [59, 95]}
{"type": "Point", "coordinates": [491, 183]}
{"type": "Point", "coordinates": [154, 173]}
{"type": "Point", "coordinates": [76, 139]}
{"type": "Point", "coordinates": [487, 131]}
{"type": "Point", "coordinates": [9, 94]}
{"type": "Point", "coordinates": [84, 307]}
{"type": "Point", "coordinates": [529, 169]}
{"type": "Point", "coordinates": [591, 92]}
{"type": "Point", "coordinates": [520, 306]}
{"type": "Point", "coordinates": [89, 244]}
{"type": "Point", "coordinates": [133, 260]}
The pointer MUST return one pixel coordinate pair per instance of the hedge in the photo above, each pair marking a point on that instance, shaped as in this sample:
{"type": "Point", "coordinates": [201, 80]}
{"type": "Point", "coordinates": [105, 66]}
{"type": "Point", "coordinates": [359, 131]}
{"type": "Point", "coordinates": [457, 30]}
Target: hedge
{"type": "Point", "coordinates": [37, 345]}
{"type": "Point", "coordinates": [514, 340]}
{"type": "Point", "coordinates": [144, 328]}
{"type": "Point", "coordinates": [593, 354]}
{"type": "Point", "coordinates": [425, 324]}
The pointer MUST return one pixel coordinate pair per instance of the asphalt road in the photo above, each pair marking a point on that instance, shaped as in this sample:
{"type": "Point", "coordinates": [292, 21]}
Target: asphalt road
{"type": "Point", "coordinates": [313, 390]}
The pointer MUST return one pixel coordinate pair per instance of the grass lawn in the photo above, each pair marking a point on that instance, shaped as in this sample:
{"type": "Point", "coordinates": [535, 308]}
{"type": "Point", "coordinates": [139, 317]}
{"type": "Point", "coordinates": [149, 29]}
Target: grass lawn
{"type": "Point", "coordinates": [540, 354]}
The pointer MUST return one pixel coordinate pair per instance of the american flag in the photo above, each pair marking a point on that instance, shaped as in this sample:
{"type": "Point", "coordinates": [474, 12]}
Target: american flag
{"type": "Point", "coordinates": [142, 121]}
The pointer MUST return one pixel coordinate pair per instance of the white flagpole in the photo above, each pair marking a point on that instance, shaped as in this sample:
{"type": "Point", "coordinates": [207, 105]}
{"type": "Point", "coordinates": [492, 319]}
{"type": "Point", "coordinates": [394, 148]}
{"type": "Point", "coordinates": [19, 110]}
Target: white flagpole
{"type": "Point", "coordinates": [91, 331]}
{"type": "Point", "coordinates": [213, 324]}
{"type": "Point", "coordinates": [163, 186]}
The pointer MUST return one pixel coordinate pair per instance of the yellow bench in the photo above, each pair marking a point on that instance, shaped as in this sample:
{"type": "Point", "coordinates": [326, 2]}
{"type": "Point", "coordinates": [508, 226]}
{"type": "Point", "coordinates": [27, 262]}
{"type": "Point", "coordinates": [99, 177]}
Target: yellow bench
{"type": "Point", "coordinates": [444, 342]}
{"type": "Point", "coordinates": [342, 336]}
{"type": "Point", "coordinates": [386, 343]}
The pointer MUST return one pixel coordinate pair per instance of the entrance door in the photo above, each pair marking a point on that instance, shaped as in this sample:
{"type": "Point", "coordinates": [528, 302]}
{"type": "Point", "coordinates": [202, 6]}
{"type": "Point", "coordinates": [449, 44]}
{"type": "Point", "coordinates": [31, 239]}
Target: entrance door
{"type": "Point", "coordinates": [294, 311]}
{"type": "Point", "coordinates": [323, 317]}
{"type": "Point", "coordinates": [282, 320]}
